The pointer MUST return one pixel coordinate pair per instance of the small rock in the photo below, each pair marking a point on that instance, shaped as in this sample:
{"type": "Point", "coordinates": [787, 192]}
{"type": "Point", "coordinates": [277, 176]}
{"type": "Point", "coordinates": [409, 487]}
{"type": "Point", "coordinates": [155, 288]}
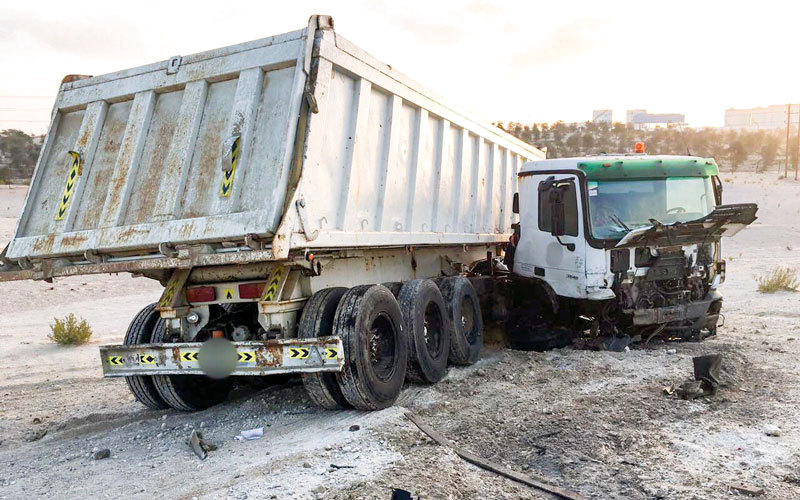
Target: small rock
{"type": "Point", "coordinates": [164, 426]}
{"type": "Point", "coordinates": [509, 377]}
{"type": "Point", "coordinates": [37, 420]}
{"type": "Point", "coordinates": [772, 430]}
{"type": "Point", "coordinates": [306, 465]}
{"type": "Point", "coordinates": [35, 435]}
{"type": "Point", "coordinates": [101, 454]}
{"type": "Point", "coordinates": [354, 428]}
{"type": "Point", "coordinates": [672, 351]}
{"type": "Point", "coordinates": [480, 372]}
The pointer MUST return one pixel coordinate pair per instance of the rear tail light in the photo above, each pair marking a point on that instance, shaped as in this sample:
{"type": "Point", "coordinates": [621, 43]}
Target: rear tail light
{"type": "Point", "coordinates": [251, 290]}
{"type": "Point", "coordinates": [201, 294]}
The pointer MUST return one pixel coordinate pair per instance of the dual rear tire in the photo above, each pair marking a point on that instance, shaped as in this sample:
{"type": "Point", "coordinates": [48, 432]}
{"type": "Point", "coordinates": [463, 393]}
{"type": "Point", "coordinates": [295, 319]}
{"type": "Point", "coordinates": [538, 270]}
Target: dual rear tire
{"type": "Point", "coordinates": [389, 333]}
{"type": "Point", "coordinates": [158, 392]}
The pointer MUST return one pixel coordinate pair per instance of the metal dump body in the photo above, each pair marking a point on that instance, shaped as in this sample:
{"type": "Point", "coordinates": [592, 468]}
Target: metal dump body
{"type": "Point", "coordinates": [296, 141]}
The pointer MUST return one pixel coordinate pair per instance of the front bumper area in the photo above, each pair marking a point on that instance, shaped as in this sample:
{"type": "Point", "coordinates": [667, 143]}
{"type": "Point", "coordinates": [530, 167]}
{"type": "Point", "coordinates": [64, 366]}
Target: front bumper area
{"type": "Point", "coordinates": [255, 358]}
{"type": "Point", "coordinates": [692, 311]}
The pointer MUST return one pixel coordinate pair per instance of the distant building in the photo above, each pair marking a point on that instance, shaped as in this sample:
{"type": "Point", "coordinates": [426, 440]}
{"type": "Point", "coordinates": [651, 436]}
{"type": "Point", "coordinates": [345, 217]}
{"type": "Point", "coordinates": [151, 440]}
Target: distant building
{"type": "Point", "coordinates": [641, 118]}
{"type": "Point", "coordinates": [602, 116]}
{"type": "Point", "coordinates": [768, 118]}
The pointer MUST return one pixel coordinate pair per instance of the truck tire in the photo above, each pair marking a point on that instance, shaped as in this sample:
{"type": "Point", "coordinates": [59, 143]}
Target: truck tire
{"type": "Point", "coordinates": [188, 392]}
{"type": "Point", "coordinates": [317, 321]}
{"type": "Point", "coordinates": [527, 330]}
{"type": "Point", "coordinates": [427, 329]}
{"type": "Point", "coordinates": [370, 324]}
{"type": "Point", "coordinates": [140, 331]}
{"type": "Point", "coordinates": [464, 311]}
{"type": "Point", "coordinates": [394, 287]}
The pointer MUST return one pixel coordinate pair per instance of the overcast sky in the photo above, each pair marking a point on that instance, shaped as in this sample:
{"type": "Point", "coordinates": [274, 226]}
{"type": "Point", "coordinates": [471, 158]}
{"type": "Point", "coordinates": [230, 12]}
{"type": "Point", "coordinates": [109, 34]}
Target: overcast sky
{"type": "Point", "coordinates": [511, 60]}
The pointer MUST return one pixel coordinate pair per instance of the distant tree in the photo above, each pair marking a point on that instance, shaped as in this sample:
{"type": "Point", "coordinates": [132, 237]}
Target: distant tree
{"type": "Point", "coordinates": [20, 150]}
{"type": "Point", "coordinates": [768, 152]}
{"type": "Point", "coordinates": [736, 154]}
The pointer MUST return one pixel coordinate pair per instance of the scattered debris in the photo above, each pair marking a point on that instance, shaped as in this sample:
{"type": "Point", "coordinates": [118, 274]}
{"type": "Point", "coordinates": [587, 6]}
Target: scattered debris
{"type": "Point", "coordinates": [707, 368]}
{"type": "Point", "coordinates": [250, 434]}
{"type": "Point", "coordinates": [617, 343]}
{"type": "Point", "coordinates": [771, 430]}
{"type": "Point", "coordinates": [37, 420]}
{"type": "Point", "coordinates": [354, 428]}
{"type": "Point", "coordinates": [334, 466]}
{"type": "Point", "coordinates": [672, 351]}
{"type": "Point", "coordinates": [35, 435]}
{"type": "Point", "coordinates": [490, 466]}
{"type": "Point", "coordinates": [747, 489]}
{"type": "Point", "coordinates": [199, 446]}
{"type": "Point", "coordinates": [706, 378]}
{"type": "Point", "coordinates": [398, 494]}
{"type": "Point", "coordinates": [100, 453]}
{"type": "Point", "coordinates": [306, 465]}
{"type": "Point", "coordinates": [692, 389]}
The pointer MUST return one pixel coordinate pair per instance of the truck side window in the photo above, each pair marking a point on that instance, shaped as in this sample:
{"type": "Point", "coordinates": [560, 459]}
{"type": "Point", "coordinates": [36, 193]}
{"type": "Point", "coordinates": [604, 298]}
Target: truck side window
{"type": "Point", "coordinates": [570, 209]}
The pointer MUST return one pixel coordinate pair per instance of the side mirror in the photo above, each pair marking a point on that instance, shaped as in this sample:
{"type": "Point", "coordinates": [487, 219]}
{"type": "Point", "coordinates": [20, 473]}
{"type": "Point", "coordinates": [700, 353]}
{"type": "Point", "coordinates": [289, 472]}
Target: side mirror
{"type": "Point", "coordinates": [557, 217]}
{"type": "Point", "coordinates": [717, 184]}
{"type": "Point", "coordinates": [515, 204]}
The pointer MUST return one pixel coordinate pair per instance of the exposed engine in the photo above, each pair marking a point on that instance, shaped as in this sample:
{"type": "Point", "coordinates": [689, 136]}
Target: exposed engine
{"type": "Point", "coordinates": [669, 287]}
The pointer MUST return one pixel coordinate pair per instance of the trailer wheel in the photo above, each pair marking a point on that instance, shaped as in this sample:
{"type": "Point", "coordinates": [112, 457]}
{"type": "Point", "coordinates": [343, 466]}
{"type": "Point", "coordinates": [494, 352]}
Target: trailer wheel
{"type": "Point", "coordinates": [140, 331]}
{"type": "Point", "coordinates": [394, 287]}
{"type": "Point", "coordinates": [188, 392]}
{"type": "Point", "coordinates": [375, 349]}
{"type": "Point", "coordinates": [317, 321]}
{"type": "Point", "coordinates": [427, 328]}
{"type": "Point", "coordinates": [464, 311]}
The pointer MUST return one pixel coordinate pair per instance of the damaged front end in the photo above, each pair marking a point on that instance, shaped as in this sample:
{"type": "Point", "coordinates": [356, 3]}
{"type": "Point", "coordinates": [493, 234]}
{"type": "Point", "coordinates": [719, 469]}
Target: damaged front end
{"type": "Point", "coordinates": [668, 274]}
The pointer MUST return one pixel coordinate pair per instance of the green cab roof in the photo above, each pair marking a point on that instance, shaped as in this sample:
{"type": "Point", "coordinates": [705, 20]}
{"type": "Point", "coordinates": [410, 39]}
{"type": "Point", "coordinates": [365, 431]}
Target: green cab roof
{"type": "Point", "coordinates": [647, 168]}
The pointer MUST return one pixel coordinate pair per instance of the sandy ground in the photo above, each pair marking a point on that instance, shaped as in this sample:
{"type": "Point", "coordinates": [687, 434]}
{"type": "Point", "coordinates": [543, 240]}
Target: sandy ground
{"type": "Point", "coordinates": [595, 422]}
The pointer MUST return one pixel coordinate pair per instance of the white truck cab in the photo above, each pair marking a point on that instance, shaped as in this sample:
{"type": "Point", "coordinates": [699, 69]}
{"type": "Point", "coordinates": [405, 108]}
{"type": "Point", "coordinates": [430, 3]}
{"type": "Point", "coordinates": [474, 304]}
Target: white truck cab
{"type": "Point", "coordinates": [629, 239]}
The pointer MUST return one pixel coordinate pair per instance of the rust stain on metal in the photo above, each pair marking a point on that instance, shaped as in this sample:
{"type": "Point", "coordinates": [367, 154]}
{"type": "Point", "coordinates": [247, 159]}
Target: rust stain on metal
{"type": "Point", "coordinates": [176, 356]}
{"type": "Point", "coordinates": [132, 231]}
{"type": "Point", "coordinates": [270, 355]}
{"type": "Point", "coordinates": [76, 240]}
{"type": "Point", "coordinates": [44, 244]}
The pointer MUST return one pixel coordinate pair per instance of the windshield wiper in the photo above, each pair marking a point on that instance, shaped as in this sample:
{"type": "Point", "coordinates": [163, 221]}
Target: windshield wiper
{"type": "Point", "coordinates": [617, 220]}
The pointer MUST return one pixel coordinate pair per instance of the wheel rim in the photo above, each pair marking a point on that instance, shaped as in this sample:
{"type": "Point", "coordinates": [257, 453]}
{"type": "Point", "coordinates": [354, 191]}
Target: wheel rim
{"type": "Point", "coordinates": [382, 346]}
{"type": "Point", "coordinates": [468, 320]}
{"type": "Point", "coordinates": [432, 328]}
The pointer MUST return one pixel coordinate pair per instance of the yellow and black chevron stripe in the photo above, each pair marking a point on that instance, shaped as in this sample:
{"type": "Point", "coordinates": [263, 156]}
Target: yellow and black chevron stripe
{"type": "Point", "coordinates": [69, 188]}
{"type": "Point", "coordinates": [272, 286]}
{"type": "Point", "coordinates": [227, 176]}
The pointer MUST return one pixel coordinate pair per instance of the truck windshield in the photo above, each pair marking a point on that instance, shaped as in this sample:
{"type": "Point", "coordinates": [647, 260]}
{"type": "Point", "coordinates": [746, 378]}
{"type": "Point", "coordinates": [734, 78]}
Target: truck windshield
{"type": "Point", "coordinates": [616, 207]}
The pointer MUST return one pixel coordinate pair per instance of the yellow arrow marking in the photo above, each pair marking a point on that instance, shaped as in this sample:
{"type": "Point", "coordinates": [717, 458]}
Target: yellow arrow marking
{"type": "Point", "coordinates": [228, 293]}
{"type": "Point", "coordinates": [247, 357]}
{"type": "Point", "coordinates": [69, 188]}
{"type": "Point", "coordinates": [147, 359]}
{"type": "Point", "coordinates": [272, 287]}
{"type": "Point", "coordinates": [299, 352]}
{"type": "Point", "coordinates": [115, 360]}
{"type": "Point", "coordinates": [227, 177]}
{"type": "Point", "coordinates": [331, 352]}
{"type": "Point", "coordinates": [189, 355]}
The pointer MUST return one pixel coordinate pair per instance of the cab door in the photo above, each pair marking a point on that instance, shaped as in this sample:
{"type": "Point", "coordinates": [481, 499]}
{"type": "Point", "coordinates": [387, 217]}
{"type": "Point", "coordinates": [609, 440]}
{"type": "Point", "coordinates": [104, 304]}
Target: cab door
{"type": "Point", "coordinates": [553, 254]}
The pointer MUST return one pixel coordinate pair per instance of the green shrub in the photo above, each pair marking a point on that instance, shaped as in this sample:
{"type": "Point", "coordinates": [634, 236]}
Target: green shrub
{"type": "Point", "coordinates": [68, 331]}
{"type": "Point", "coordinates": [779, 279]}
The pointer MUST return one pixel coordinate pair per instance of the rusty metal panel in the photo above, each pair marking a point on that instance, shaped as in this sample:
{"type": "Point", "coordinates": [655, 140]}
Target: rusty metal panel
{"type": "Point", "coordinates": [323, 354]}
{"type": "Point", "coordinates": [155, 147]}
{"type": "Point", "coordinates": [202, 154]}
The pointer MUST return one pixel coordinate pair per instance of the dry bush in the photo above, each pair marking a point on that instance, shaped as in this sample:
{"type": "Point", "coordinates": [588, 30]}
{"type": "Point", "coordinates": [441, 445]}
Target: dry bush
{"type": "Point", "coordinates": [777, 280]}
{"type": "Point", "coordinates": [69, 331]}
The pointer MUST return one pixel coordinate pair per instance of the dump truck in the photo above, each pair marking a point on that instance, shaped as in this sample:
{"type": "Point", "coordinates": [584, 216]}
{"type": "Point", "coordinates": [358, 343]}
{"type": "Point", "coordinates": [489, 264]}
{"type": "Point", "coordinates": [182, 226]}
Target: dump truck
{"type": "Point", "coordinates": [310, 210]}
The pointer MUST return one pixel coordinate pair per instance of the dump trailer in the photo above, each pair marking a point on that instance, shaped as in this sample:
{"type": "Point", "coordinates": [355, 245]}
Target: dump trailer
{"type": "Point", "coordinates": [310, 210]}
{"type": "Point", "coordinates": [307, 208]}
